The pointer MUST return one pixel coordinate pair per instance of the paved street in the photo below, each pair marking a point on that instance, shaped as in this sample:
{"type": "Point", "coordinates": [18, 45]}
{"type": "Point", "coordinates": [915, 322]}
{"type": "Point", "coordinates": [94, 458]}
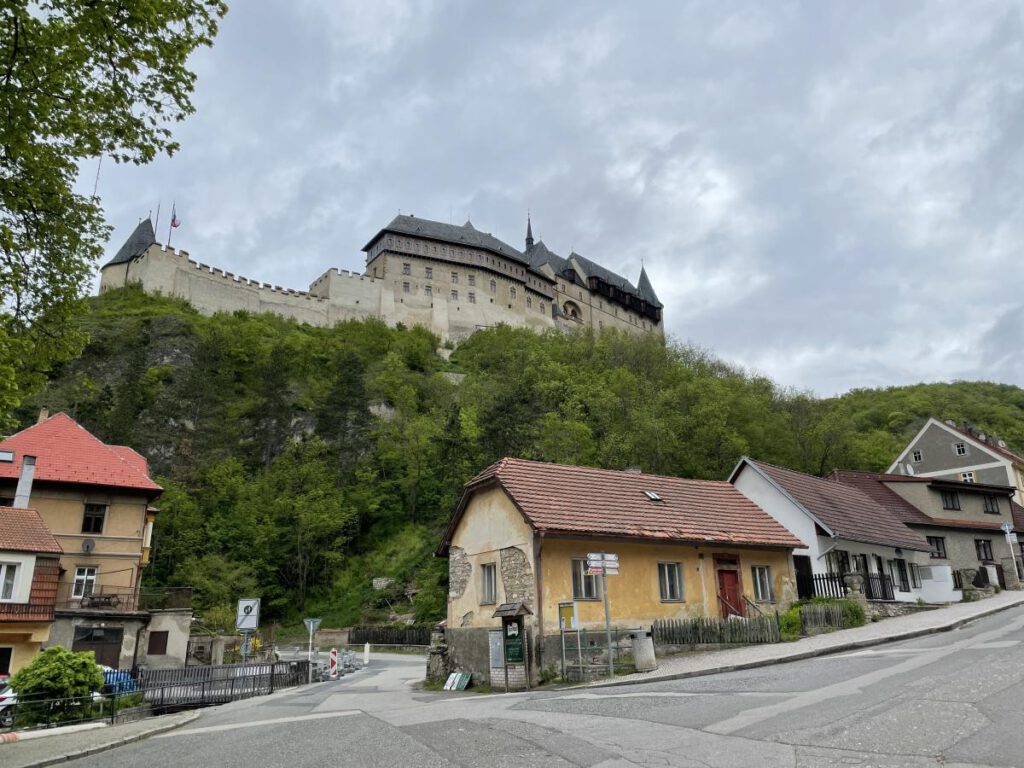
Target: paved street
{"type": "Point", "coordinates": [946, 699]}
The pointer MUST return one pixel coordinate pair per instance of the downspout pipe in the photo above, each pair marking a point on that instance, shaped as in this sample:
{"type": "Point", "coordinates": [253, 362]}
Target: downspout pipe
{"type": "Point", "coordinates": [538, 549]}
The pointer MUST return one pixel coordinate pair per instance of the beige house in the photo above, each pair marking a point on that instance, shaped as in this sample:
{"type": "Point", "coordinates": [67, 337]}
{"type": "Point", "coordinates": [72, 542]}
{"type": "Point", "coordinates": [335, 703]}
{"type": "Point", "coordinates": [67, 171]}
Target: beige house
{"type": "Point", "coordinates": [96, 500]}
{"type": "Point", "coordinates": [686, 548]}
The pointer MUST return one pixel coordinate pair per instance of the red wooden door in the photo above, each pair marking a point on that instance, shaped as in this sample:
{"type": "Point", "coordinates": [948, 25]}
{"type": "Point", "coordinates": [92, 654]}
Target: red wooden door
{"type": "Point", "coordinates": [729, 591]}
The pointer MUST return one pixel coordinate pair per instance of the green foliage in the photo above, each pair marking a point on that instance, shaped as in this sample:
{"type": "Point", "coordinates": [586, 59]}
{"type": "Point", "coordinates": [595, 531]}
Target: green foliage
{"type": "Point", "coordinates": [853, 614]}
{"type": "Point", "coordinates": [300, 463]}
{"type": "Point", "coordinates": [790, 625]}
{"type": "Point", "coordinates": [82, 79]}
{"type": "Point", "coordinates": [57, 686]}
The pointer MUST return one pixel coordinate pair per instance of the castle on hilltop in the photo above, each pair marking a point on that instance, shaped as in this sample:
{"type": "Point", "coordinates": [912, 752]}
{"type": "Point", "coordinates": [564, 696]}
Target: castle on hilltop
{"type": "Point", "coordinates": [451, 279]}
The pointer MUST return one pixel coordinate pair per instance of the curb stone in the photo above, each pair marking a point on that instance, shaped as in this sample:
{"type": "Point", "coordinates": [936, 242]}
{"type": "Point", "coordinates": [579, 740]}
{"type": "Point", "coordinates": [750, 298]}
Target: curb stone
{"type": "Point", "coordinates": [801, 655]}
{"type": "Point", "coordinates": [113, 744]}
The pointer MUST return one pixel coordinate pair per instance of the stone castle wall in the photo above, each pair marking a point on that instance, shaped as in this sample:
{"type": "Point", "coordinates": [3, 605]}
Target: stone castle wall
{"type": "Point", "coordinates": [394, 297]}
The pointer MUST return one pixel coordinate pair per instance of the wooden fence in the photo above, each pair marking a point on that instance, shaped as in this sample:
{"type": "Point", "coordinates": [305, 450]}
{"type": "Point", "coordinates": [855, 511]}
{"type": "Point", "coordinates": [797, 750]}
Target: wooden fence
{"type": "Point", "coordinates": [829, 585]}
{"type": "Point", "coordinates": [390, 635]}
{"type": "Point", "coordinates": [705, 631]}
{"type": "Point", "coordinates": [822, 617]}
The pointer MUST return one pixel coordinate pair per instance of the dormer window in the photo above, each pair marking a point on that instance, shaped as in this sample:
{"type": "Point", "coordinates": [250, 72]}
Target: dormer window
{"type": "Point", "coordinates": [652, 496]}
{"type": "Point", "coordinates": [7, 457]}
{"type": "Point", "coordinates": [960, 449]}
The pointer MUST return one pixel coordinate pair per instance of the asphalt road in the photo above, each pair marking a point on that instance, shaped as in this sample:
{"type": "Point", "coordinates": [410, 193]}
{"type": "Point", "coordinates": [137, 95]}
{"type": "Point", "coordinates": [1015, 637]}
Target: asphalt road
{"type": "Point", "coordinates": [952, 699]}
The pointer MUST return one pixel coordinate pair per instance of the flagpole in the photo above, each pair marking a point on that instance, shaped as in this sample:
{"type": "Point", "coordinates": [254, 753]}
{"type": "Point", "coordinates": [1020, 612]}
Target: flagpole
{"type": "Point", "coordinates": [156, 224]}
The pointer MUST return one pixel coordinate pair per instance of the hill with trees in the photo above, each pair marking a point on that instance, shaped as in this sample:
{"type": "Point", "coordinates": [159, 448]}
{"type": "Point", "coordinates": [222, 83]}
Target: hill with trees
{"type": "Point", "coordinates": [299, 463]}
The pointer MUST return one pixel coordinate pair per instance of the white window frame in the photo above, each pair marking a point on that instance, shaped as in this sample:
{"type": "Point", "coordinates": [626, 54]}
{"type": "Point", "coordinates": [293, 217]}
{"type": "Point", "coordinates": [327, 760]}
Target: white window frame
{"type": "Point", "coordinates": [488, 583]}
{"type": "Point", "coordinates": [670, 582]}
{"type": "Point", "coordinates": [967, 477]}
{"type": "Point", "coordinates": [8, 582]}
{"type": "Point", "coordinates": [917, 457]}
{"type": "Point", "coordinates": [83, 579]}
{"type": "Point", "coordinates": [587, 584]}
{"type": "Point", "coordinates": [960, 449]}
{"type": "Point", "coordinates": [763, 588]}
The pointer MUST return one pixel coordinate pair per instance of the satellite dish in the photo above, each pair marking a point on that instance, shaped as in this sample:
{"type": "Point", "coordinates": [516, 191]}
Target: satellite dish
{"type": "Point", "coordinates": [910, 469]}
{"type": "Point", "coordinates": [88, 545]}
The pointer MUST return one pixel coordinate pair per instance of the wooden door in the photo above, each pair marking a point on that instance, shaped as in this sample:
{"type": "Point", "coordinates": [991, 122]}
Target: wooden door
{"type": "Point", "coordinates": [804, 577]}
{"type": "Point", "coordinates": [105, 642]}
{"type": "Point", "coordinates": [731, 599]}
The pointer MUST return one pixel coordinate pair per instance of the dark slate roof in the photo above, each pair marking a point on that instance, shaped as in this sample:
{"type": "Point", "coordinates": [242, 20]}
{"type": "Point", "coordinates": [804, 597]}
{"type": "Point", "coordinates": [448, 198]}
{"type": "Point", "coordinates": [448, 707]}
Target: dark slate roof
{"type": "Point", "coordinates": [847, 511]}
{"type": "Point", "coordinates": [646, 290]}
{"type": "Point", "coordinates": [592, 269]}
{"type": "Point", "coordinates": [449, 233]}
{"type": "Point", "coordinates": [136, 244]}
{"type": "Point", "coordinates": [540, 255]}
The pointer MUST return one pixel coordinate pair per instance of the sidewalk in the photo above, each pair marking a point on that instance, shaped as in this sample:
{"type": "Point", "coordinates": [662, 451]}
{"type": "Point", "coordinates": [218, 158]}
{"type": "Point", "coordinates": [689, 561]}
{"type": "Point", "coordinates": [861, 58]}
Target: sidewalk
{"type": "Point", "coordinates": [58, 747]}
{"type": "Point", "coordinates": [885, 631]}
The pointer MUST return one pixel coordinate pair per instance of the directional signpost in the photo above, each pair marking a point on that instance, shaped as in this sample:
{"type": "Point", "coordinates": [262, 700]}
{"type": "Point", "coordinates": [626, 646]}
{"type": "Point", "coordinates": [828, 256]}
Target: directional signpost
{"type": "Point", "coordinates": [247, 621]}
{"type": "Point", "coordinates": [604, 565]}
{"type": "Point", "coordinates": [312, 625]}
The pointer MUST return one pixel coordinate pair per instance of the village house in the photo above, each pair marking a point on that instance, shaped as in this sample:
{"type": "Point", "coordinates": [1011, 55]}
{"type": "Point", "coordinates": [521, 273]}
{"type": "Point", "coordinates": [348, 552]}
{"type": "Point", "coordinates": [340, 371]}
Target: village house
{"type": "Point", "coordinates": [522, 531]}
{"type": "Point", "coordinates": [96, 500]}
{"type": "Point", "coordinates": [941, 449]}
{"type": "Point", "coordinates": [847, 533]}
{"type": "Point", "coordinates": [29, 570]}
{"type": "Point", "coordinates": [963, 522]}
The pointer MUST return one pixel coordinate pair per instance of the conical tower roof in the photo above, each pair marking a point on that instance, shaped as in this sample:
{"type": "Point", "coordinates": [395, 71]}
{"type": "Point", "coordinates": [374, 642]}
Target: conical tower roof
{"type": "Point", "coordinates": [646, 290]}
{"type": "Point", "coordinates": [136, 244]}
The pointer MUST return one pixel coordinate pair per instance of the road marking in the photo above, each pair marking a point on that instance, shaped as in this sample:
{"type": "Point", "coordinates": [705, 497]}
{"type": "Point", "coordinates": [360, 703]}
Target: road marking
{"type": "Point", "coordinates": [663, 695]}
{"type": "Point", "coordinates": [882, 653]}
{"type": "Point", "coordinates": [993, 645]}
{"type": "Point", "coordinates": [257, 723]}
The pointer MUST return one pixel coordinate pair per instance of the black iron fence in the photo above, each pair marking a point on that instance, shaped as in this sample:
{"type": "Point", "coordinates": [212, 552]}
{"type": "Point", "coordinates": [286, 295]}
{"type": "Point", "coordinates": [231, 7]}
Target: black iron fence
{"type": "Point", "coordinates": [390, 635]}
{"type": "Point", "coordinates": [202, 686]}
{"type": "Point", "coordinates": [878, 586]}
{"type": "Point", "coordinates": [709, 631]}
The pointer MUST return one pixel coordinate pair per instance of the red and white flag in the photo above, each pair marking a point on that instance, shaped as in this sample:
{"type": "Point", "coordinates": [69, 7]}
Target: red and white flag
{"type": "Point", "coordinates": [175, 221]}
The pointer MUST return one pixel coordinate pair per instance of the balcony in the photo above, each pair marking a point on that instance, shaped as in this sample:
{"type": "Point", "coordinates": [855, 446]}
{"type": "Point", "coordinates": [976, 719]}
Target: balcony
{"type": "Point", "coordinates": [10, 612]}
{"type": "Point", "coordinates": [122, 599]}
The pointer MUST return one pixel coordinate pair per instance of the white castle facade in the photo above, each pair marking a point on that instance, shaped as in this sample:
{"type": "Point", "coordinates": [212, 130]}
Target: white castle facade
{"type": "Point", "coordinates": [451, 279]}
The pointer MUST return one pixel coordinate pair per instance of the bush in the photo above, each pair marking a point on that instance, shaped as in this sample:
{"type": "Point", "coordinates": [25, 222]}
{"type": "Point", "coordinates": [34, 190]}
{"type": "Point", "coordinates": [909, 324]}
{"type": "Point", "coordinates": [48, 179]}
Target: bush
{"type": "Point", "coordinates": [853, 613]}
{"type": "Point", "coordinates": [57, 686]}
{"type": "Point", "coordinates": [790, 625]}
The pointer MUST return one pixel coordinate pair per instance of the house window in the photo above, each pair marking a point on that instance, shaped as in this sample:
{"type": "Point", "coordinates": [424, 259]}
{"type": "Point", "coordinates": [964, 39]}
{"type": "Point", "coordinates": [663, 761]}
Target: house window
{"type": "Point", "coordinates": [918, 456]}
{"type": "Point", "coordinates": [8, 571]}
{"type": "Point", "coordinates": [85, 581]}
{"type": "Point", "coordinates": [6, 501]}
{"type": "Point", "coordinates": [960, 449]}
{"type": "Point", "coordinates": [898, 571]}
{"type": "Point", "coordinates": [938, 545]}
{"type": "Point", "coordinates": [157, 643]}
{"type": "Point", "coordinates": [670, 582]}
{"type": "Point", "coordinates": [950, 500]}
{"type": "Point", "coordinates": [762, 583]}
{"type": "Point", "coordinates": [6, 654]}
{"type": "Point", "coordinates": [967, 477]}
{"type": "Point", "coordinates": [430, 273]}
{"type": "Point", "coordinates": [990, 503]}
{"type": "Point", "coordinates": [405, 287]}
{"type": "Point", "coordinates": [406, 268]}
{"type": "Point", "coordinates": [92, 520]}
{"type": "Point", "coordinates": [489, 585]}
{"type": "Point", "coordinates": [455, 295]}
{"type": "Point", "coordinates": [455, 277]}
{"type": "Point", "coordinates": [494, 286]}
{"type": "Point", "coordinates": [472, 297]}
{"type": "Point", "coordinates": [983, 547]}
{"type": "Point", "coordinates": [584, 587]}
{"type": "Point", "coordinates": [915, 576]}
{"type": "Point", "coordinates": [428, 290]}
{"type": "Point", "coordinates": [512, 292]}
{"type": "Point", "coordinates": [471, 279]}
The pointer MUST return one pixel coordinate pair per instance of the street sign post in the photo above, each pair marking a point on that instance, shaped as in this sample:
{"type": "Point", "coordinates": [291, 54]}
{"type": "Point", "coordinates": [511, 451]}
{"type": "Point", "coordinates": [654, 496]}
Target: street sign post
{"type": "Point", "coordinates": [334, 664]}
{"type": "Point", "coordinates": [605, 564]}
{"type": "Point", "coordinates": [1013, 541]}
{"type": "Point", "coordinates": [312, 625]}
{"type": "Point", "coordinates": [247, 617]}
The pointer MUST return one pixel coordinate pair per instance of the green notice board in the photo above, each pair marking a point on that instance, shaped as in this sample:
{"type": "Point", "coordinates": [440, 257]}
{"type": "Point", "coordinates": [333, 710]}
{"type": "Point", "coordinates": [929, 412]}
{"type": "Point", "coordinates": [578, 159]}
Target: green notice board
{"type": "Point", "coordinates": [514, 643]}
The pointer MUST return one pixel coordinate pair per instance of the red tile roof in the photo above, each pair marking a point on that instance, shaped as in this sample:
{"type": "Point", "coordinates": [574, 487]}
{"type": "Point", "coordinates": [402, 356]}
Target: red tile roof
{"type": "Point", "coordinates": [23, 530]}
{"type": "Point", "coordinates": [847, 511]}
{"type": "Point", "coordinates": [584, 501]}
{"type": "Point", "coordinates": [68, 453]}
{"type": "Point", "coordinates": [870, 484]}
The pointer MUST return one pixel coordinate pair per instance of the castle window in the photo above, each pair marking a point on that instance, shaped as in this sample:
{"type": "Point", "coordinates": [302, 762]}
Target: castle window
{"type": "Point", "coordinates": [428, 290]}
{"type": "Point", "coordinates": [542, 307]}
{"type": "Point", "coordinates": [406, 268]}
{"type": "Point", "coordinates": [455, 277]}
{"type": "Point", "coordinates": [512, 292]}
{"type": "Point", "coordinates": [471, 279]}
{"type": "Point", "coordinates": [494, 286]}
{"type": "Point", "coordinates": [529, 302]}
{"type": "Point", "coordinates": [472, 297]}
{"type": "Point", "coordinates": [405, 287]}
{"type": "Point", "coordinates": [455, 295]}
{"type": "Point", "coordinates": [430, 273]}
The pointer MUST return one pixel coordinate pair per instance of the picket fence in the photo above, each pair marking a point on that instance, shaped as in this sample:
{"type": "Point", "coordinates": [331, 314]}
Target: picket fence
{"type": "Point", "coordinates": [707, 631]}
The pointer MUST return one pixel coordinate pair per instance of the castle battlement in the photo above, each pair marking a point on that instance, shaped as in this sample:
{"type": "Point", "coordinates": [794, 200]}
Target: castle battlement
{"type": "Point", "coordinates": [453, 280]}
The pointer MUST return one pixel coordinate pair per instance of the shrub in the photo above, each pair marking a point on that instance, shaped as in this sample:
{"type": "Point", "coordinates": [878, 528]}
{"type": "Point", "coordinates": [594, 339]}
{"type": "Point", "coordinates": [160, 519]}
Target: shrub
{"type": "Point", "coordinates": [853, 613]}
{"type": "Point", "coordinates": [57, 686]}
{"type": "Point", "coordinates": [790, 625]}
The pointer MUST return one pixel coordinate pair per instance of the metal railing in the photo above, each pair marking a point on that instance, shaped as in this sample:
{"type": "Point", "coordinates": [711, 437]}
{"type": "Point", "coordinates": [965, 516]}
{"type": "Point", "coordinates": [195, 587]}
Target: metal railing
{"type": "Point", "coordinates": [878, 586]}
{"type": "Point", "coordinates": [829, 585]}
{"type": "Point", "coordinates": [100, 597]}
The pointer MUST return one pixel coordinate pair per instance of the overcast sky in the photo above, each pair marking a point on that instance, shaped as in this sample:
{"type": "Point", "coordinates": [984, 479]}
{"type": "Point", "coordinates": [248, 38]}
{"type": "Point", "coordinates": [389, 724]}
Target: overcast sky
{"type": "Point", "coordinates": [828, 193]}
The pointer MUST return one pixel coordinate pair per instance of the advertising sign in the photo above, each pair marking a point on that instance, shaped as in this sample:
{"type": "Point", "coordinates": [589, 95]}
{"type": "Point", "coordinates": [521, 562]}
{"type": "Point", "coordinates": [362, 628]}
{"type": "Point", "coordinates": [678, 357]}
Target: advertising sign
{"type": "Point", "coordinates": [514, 643]}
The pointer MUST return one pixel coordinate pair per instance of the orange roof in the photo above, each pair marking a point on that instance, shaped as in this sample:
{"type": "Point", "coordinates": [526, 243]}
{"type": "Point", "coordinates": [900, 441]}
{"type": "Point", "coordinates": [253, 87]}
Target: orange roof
{"type": "Point", "coordinates": [66, 452]}
{"type": "Point", "coordinates": [584, 501]}
{"type": "Point", "coordinates": [23, 530]}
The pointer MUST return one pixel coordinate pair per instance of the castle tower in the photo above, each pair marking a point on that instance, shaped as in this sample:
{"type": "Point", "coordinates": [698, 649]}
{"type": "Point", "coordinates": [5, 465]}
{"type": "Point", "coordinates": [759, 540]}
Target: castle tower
{"type": "Point", "coordinates": [529, 234]}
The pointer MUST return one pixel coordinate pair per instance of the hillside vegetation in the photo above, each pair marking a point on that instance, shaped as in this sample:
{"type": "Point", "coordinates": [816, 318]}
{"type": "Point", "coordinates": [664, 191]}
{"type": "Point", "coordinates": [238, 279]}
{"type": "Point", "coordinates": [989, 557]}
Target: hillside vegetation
{"type": "Point", "coordinates": [300, 463]}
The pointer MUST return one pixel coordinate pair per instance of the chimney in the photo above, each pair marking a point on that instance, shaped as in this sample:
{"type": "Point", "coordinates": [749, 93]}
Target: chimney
{"type": "Point", "coordinates": [44, 414]}
{"type": "Point", "coordinates": [28, 471]}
